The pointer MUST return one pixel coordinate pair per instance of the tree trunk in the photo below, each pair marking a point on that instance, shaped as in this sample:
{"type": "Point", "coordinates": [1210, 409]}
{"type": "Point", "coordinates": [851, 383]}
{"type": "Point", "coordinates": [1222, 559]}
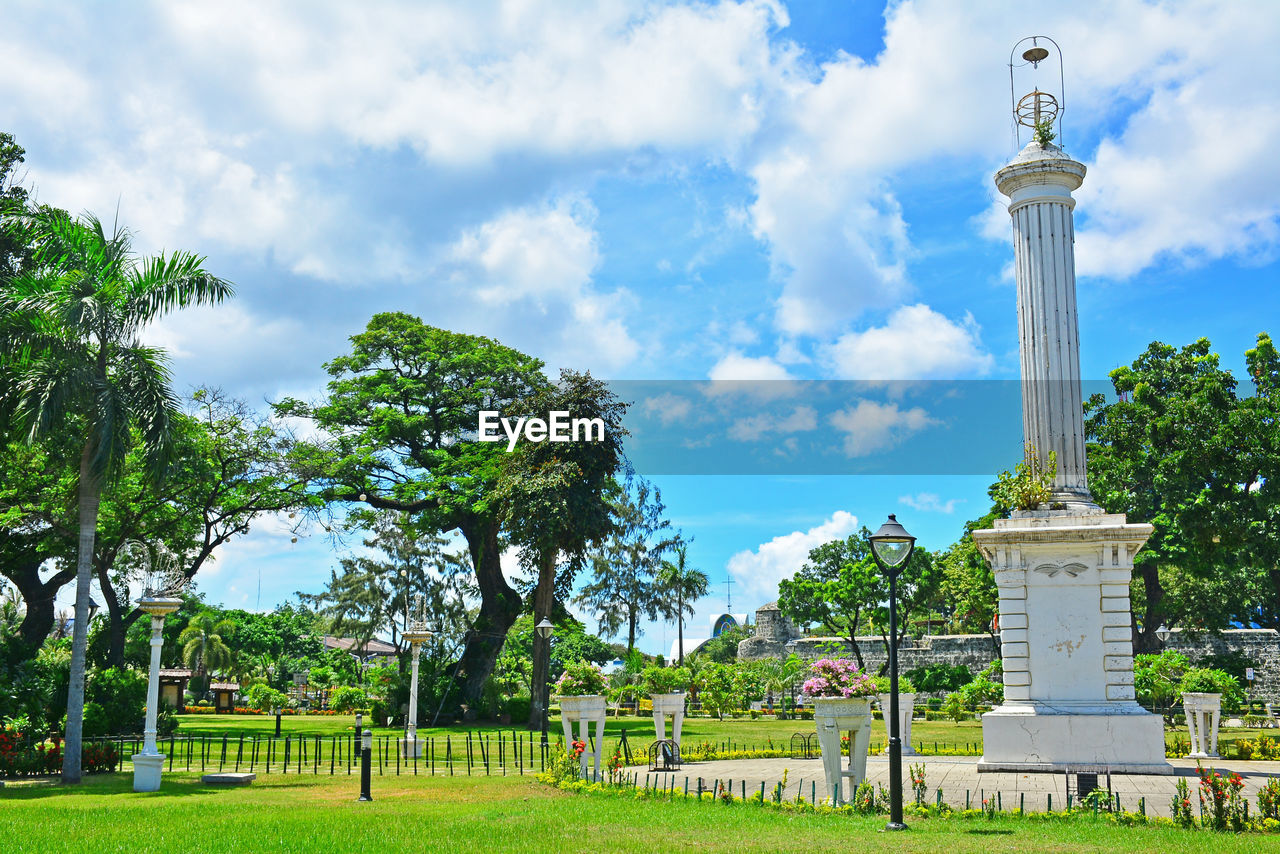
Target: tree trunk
{"type": "Point", "coordinates": [37, 597]}
{"type": "Point", "coordinates": [90, 495]}
{"type": "Point", "coordinates": [1145, 639]}
{"type": "Point", "coordinates": [543, 601]}
{"type": "Point", "coordinates": [499, 608]}
{"type": "Point", "coordinates": [680, 631]}
{"type": "Point", "coordinates": [117, 624]}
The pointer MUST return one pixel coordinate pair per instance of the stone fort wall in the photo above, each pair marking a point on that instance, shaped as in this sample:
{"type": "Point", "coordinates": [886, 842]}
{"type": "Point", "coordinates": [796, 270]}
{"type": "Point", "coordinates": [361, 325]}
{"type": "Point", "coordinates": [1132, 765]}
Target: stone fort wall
{"type": "Point", "coordinates": [1261, 646]}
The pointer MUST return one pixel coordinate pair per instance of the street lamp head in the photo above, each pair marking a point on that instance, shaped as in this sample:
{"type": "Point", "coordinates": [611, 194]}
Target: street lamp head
{"type": "Point", "coordinates": [366, 740]}
{"type": "Point", "coordinates": [544, 628]}
{"type": "Point", "coordinates": [93, 608]}
{"type": "Point", "coordinates": [1162, 633]}
{"type": "Point", "coordinates": [892, 545]}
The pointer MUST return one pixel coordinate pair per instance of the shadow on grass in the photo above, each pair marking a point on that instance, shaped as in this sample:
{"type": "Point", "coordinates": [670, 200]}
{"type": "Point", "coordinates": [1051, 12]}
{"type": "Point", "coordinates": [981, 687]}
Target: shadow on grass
{"type": "Point", "coordinates": [988, 831]}
{"type": "Point", "coordinates": [122, 784]}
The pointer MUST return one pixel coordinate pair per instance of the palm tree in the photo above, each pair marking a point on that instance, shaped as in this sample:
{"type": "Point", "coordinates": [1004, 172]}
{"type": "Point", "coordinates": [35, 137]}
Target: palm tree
{"type": "Point", "coordinates": [686, 585]}
{"type": "Point", "coordinates": [203, 647]}
{"type": "Point", "coordinates": [779, 675]}
{"type": "Point", "coordinates": [69, 329]}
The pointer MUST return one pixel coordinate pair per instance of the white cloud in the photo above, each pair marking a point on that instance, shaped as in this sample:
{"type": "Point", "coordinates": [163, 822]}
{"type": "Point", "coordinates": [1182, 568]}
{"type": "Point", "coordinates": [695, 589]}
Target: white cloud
{"type": "Point", "coordinates": [735, 367]}
{"type": "Point", "coordinates": [915, 343]}
{"type": "Point", "coordinates": [872, 426]}
{"type": "Point", "coordinates": [530, 269]}
{"type": "Point", "coordinates": [929, 502]}
{"type": "Point", "coordinates": [759, 571]}
{"type": "Point", "coordinates": [754, 427]}
{"type": "Point", "coordinates": [668, 407]}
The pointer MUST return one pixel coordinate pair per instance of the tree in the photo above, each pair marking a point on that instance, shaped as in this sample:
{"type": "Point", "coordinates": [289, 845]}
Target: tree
{"type": "Point", "coordinates": [204, 647]}
{"type": "Point", "coordinates": [969, 584]}
{"type": "Point", "coordinates": [555, 494]}
{"type": "Point", "coordinates": [1180, 450]}
{"type": "Point", "coordinates": [685, 585]}
{"type": "Point", "coordinates": [399, 433]}
{"type": "Point", "coordinates": [838, 587]}
{"type": "Point", "coordinates": [68, 330]}
{"type": "Point", "coordinates": [624, 585]}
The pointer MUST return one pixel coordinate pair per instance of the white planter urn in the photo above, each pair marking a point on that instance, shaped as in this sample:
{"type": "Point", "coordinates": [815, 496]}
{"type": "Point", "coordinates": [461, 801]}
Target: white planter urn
{"type": "Point", "coordinates": [906, 706]}
{"type": "Point", "coordinates": [668, 704]}
{"type": "Point", "coordinates": [583, 710]}
{"type": "Point", "coordinates": [833, 717]}
{"type": "Point", "coordinates": [1204, 712]}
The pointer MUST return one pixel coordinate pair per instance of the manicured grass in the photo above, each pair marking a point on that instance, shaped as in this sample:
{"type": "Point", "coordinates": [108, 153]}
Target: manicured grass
{"type": "Point", "coordinates": [306, 814]}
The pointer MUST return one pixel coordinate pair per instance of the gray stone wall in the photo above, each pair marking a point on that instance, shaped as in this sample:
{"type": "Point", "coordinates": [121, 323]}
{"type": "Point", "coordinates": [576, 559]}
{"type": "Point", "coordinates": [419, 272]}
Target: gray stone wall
{"type": "Point", "coordinates": [1262, 646]}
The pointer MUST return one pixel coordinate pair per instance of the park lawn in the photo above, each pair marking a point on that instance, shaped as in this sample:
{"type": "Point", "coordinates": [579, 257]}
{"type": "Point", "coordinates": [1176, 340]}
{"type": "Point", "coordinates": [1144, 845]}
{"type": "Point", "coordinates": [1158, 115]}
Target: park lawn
{"type": "Point", "coordinates": [309, 814]}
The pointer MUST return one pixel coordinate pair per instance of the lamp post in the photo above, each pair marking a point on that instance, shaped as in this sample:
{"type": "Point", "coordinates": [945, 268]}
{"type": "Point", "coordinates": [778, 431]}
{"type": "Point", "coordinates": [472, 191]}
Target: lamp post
{"type": "Point", "coordinates": [545, 630]}
{"type": "Point", "coordinates": [416, 636]}
{"type": "Point", "coordinates": [892, 547]}
{"type": "Point", "coordinates": [366, 762]}
{"type": "Point", "coordinates": [148, 764]}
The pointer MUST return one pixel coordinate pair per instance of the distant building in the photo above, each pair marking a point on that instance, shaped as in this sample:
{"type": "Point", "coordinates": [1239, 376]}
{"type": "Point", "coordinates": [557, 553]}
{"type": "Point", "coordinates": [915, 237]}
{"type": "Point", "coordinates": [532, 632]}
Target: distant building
{"type": "Point", "coordinates": [718, 626]}
{"type": "Point", "coordinates": [773, 632]}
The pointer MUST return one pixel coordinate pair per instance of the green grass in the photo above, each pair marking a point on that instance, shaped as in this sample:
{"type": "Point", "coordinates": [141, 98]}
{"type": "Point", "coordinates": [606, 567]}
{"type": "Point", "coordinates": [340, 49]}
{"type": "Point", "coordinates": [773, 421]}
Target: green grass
{"type": "Point", "coordinates": [496, 814]}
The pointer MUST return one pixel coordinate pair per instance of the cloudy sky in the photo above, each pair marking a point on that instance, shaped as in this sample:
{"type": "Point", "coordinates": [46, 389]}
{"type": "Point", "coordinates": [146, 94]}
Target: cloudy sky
{"type": "Point", "coordinates": [661, 191]}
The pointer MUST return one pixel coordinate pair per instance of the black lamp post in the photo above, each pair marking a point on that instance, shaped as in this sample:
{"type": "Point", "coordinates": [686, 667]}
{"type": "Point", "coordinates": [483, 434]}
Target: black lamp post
{"type": "Point", "coordinates": [544, 630]}
{"type": "Point", "coordinates": [892, 547]}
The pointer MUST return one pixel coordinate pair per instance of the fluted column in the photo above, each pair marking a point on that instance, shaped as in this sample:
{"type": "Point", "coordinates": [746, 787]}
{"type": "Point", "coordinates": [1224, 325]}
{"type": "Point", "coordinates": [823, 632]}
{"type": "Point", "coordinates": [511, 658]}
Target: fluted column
{"type": "Point", "coordinates": [1038, 183]}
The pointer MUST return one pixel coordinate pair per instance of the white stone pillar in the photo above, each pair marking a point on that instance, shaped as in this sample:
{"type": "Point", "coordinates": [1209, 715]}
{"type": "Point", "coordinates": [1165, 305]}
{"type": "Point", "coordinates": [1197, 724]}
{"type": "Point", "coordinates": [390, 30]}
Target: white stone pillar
{"type": "Point", "coordinates": [410, 746]}
{"type": "Point", "coordinates": [147, 765]}
{"type": "Point", "coordinates": [1038, 183]}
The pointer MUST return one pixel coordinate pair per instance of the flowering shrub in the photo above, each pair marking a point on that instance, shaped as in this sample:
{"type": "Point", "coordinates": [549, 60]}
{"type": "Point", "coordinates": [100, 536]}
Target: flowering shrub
{"type": "Point", "coordinates": [1269, 800]}
{"type": "Point", "coordinates": [1180, 807]}
{"type": "Point", "coordinates": [918, 785]}
{"type": "Point", "coordinates": [1221, 801]}
{"type": "Point", "coordinates": [198, 710]}
{"type": "Point", "coordinates": [98, 756]}
{"type": "Point", "coordinates": [580, 678]}
{"type": "Point", "coordinates": [838, 677]}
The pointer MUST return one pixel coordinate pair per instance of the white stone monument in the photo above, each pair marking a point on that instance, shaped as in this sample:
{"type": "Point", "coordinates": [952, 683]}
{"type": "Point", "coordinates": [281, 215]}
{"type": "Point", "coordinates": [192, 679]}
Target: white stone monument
{"type": "Point", "coordinates": [148, 764]}
{"type": "Point", "coordinates": [1062, 569]}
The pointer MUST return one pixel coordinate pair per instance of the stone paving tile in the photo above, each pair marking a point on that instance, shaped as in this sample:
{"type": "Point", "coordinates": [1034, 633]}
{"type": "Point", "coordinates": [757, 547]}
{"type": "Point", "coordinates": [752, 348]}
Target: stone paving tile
{"type": "Point", "coordinates": [958, 775]}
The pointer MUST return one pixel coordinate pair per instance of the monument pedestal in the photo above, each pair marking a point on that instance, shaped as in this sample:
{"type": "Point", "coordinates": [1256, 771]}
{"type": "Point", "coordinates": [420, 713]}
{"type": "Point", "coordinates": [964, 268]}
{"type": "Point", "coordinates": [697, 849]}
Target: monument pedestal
{"type": "Point", "coordinates": [146, 771]}
{"type": "Point", "coordinates": [1066, 641]}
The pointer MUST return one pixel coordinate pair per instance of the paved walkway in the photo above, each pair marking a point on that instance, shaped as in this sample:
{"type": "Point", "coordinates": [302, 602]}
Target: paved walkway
{"type": "Point", "coordinates": [957, 776]}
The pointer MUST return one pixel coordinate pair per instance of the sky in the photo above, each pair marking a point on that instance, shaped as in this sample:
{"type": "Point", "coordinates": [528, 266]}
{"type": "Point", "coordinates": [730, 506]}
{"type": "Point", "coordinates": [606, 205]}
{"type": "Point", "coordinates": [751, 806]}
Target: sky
{"type": "Point", "coordinates": [673, 193]}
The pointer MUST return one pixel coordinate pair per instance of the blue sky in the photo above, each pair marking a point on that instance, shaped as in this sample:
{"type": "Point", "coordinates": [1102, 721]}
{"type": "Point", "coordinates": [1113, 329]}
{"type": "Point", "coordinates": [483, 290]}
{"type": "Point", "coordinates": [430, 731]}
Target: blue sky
{"type": "Point", "coordinates": [661, 191]}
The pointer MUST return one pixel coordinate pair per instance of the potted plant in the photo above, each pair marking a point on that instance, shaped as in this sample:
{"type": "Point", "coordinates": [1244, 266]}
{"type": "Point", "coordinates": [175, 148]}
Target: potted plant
{"type": "Point", "coordinates": [581, 692]}
{"type": "Point", "coordinates": [1202, 693]}
{"type": "Point", "coordinates": [841, 703]}
{"type": "Point", "coordinates": [666, 687]}
{"type": "Point", "coordinates": [906, 707]}
{"type": "Point", "coordinates": [580, 689]}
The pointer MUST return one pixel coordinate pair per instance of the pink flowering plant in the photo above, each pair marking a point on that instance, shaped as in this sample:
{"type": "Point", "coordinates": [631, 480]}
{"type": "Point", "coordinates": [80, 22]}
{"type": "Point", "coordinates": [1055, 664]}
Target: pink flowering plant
{"type": "Point", "coordinates": [838, 677]}
{"type": "Point", "coordinates": [580, 678]}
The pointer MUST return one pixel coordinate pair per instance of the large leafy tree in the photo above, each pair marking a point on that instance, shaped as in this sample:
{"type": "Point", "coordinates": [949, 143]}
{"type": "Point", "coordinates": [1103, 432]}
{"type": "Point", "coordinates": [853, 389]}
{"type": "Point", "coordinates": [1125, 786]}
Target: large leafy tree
{"type": "Point", "coordinates": [204, 643]}
{"type": "Point", "coordinates": [1180, 449]}
{"type": "Point", "coordinates": [69, 328]}
{"type": "Point", "coordinates": [969, 584]}
{"type": "Point", "coordinates": [399, 433]}
{"type": "Point", "coordinates": [920, 588]}
{"type": "Point", "coordinates": [838, 587]}
{"type": "Point", "coordinates": [556, 498]}
{"type": "Point", "coordinates": [682, 585]}
{"type": "Point", "coordinates": [624, 586]}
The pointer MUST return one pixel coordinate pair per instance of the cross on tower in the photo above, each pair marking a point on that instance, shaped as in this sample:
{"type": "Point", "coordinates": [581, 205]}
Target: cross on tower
{"type": "Point", "coordinates": [728, 593]}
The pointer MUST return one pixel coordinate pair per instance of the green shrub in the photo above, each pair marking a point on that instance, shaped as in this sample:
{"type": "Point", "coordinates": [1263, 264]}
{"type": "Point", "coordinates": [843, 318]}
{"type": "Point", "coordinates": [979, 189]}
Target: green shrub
{"type": "Point", "coordinates": [940, 677]}
{"type": "Point", "coordinates": [665, 680]}
{"type": "Point", "coordinates": [166, 720]}
{"type": "Point", "coordinates": [347, 698]}
{"type": "Point", "coordinates": [905, 685]}
{"type": "Point", "coordinates": [265, 698]}
{"type": "Point", "coordinates": [580, 678]}
{"type": "Point", "coordinates": [519, 707]}
{"type": "Point", "coordinates": [1204, 680]}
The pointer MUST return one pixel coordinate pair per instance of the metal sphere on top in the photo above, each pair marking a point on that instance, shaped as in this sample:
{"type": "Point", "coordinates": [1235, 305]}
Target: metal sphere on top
{"type": "Point", "coordinates": [1037, 110]}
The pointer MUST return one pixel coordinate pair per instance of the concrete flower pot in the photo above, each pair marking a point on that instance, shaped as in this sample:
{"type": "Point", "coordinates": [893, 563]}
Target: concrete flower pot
{"type": "Point", "coordinates": [834, 716]}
